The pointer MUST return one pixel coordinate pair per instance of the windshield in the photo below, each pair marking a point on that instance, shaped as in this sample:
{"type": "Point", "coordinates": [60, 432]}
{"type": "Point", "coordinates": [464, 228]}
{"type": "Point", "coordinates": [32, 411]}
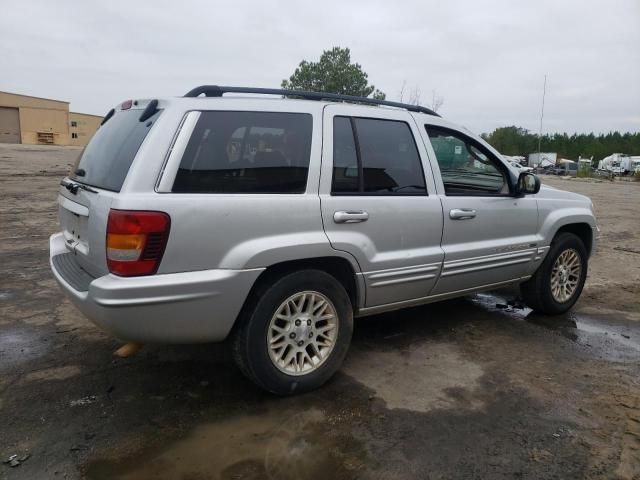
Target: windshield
{"type": "Point", "coordinates": [105, 161]}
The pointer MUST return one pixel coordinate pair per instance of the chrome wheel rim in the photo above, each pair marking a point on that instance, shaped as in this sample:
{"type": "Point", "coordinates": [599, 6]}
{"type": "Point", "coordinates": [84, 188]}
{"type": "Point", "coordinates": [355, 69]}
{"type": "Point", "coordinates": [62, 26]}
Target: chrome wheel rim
{"type": "Point", "coordinates": [565, 275]}
{"type": "Point", "coordinates": [302, 333]}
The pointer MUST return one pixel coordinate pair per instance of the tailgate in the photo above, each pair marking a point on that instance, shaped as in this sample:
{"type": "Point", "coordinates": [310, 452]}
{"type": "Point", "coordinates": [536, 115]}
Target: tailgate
{"type": "Point", "coordinates": [98, 177]}
{"type": "Point", "coordinates": [83, 221]}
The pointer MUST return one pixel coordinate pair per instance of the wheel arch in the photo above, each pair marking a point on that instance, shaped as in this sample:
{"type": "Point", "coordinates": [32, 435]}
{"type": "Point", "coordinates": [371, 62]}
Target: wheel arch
{"type": "Point", "coordinates": [338, 267]}
{"type": "Point", "coordinates": [582, 230]}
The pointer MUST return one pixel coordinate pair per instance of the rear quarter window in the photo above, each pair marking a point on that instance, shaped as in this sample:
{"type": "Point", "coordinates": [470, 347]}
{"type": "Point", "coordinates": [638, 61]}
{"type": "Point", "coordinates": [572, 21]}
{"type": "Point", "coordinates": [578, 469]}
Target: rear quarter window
{"type": "Point", "coordinates": [246, 152]}
{"type": "Point", "coordinates": [108, 156]}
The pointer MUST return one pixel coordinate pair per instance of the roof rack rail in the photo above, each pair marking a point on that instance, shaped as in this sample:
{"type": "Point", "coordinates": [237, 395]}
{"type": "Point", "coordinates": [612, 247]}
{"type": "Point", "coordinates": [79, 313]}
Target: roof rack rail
{"type": "Point", "coordinates": [218, 91]}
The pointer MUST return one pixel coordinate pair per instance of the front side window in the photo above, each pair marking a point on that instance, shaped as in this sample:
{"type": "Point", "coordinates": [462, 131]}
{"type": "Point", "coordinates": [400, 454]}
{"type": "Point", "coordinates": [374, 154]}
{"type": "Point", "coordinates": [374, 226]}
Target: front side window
{"type": "Point", "coordinates": [246, 152]}
{"type": "Point", "coordinates": [466, 169]}
{"type": "Point", "coordinates": [375, 157]}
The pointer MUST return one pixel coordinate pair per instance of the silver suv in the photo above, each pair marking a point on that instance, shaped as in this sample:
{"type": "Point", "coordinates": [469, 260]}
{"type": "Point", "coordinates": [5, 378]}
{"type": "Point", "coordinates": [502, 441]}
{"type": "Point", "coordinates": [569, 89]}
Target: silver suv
{"type": "Point", "coordinates": [274, 221]}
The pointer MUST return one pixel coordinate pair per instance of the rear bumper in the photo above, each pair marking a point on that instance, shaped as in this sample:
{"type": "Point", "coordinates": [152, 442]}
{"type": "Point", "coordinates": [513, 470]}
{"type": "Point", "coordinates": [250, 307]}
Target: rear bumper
{"type": "Point", "coordinates": [189, 307]}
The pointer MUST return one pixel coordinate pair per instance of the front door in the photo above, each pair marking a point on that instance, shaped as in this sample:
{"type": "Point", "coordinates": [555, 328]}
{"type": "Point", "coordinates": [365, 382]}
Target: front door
{"type": "Point", "coordinates": [377, 203]}
{"type": "Point", "coordinates": [489, 235]}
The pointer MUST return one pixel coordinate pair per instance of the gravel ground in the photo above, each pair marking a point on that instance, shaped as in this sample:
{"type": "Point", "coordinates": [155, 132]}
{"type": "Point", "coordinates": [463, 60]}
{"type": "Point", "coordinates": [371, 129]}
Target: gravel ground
{"type": "Point", "coordinates": [471, 388]}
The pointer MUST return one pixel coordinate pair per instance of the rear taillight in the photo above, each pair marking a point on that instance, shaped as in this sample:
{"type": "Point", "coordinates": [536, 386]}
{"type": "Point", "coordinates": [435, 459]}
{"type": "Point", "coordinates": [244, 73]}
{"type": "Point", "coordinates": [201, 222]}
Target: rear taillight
{"type": "Point", "coordinates": [136, 241]}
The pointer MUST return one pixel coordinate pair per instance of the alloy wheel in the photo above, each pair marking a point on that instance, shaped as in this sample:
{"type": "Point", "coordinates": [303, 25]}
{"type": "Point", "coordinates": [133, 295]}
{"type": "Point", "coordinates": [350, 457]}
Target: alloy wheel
{"type": "Point", "coordinates": [565, 275]}
{"type": "Point", "coordinates": [302, 333]}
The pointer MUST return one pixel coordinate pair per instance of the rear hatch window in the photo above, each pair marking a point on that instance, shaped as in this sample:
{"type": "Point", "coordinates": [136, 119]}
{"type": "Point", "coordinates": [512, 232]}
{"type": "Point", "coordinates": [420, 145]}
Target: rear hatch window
{"type": "Point", "coordinates": [105, 161]}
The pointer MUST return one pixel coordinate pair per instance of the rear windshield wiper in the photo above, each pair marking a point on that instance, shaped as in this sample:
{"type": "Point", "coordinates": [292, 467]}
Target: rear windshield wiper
{"type": "Point", "coordinates": [73, 187]}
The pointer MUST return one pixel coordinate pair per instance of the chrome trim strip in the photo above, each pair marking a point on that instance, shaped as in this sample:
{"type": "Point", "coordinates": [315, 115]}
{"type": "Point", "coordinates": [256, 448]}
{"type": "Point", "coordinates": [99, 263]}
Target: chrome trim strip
{"type": "Point", "coordinates": [486, 267]}
{"type": "Point", "coordinates": [395, 281]}
{"type": "Point", "coordinates": [488, 258]}
{"type": "Point", "coordinates": [396, 272]}
{"type": "Point", "coordinates": [541, 252]}
{"type": "Point", "coordinates": [487, 262]}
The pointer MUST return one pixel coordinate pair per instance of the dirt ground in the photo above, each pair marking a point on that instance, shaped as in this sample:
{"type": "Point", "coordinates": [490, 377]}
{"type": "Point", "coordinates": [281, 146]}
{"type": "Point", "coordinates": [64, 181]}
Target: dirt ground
{"type": "Point", "coordinates": [466, 389]}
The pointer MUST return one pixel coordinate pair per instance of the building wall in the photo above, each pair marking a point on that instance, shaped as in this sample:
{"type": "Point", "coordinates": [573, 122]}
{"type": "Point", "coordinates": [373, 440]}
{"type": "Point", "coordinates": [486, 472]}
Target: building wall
{"type": "Point", "coordinates": [82, 127]}
{"type": "Point", "coordinates": [44, 126]}
{"type": "Point", "coordinates": [42, 120]}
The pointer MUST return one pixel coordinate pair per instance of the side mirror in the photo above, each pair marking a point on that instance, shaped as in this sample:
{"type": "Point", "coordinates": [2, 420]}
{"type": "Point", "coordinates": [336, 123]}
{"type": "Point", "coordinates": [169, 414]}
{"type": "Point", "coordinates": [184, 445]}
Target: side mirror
{"type": "Point", "coordinates": [528, 184]}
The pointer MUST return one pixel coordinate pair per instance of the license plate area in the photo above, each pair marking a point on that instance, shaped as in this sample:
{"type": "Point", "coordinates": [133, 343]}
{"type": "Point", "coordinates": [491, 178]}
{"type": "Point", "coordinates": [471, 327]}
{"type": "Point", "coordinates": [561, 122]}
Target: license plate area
{"type": "Point", "coordinates": [74, 221]}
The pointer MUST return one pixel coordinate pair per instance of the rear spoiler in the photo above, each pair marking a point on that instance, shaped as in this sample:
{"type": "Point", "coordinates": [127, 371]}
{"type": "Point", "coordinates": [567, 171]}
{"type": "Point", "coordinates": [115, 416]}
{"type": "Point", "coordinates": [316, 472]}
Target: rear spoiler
{"type": "Point", "coordinates": [147, 113]}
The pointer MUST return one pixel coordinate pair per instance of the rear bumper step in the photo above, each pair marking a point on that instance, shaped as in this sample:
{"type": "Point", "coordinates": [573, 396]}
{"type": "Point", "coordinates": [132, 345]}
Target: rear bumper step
{"type": "Point", "coordinates": [71, 271]}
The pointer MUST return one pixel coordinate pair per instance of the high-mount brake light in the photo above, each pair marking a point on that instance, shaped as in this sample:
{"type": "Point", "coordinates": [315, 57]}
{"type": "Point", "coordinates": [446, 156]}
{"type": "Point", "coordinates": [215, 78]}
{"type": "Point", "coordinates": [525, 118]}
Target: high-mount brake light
{"type": "Point", "coordinates": [126, 105]}
{"type": "Point", "coordinates": [136, 241]}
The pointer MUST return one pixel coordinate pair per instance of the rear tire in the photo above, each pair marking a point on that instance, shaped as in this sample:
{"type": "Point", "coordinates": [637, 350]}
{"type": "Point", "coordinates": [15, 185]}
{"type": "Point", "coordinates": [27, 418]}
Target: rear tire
{"type": "Point", "coordinates": [557, 284]}
{"type": "Point", "coordinates": [294, 334]}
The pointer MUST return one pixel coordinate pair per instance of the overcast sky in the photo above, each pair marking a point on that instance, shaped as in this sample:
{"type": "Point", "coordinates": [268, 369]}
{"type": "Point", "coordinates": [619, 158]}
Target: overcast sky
{"type": "Point", "coordinates": [487, 59]}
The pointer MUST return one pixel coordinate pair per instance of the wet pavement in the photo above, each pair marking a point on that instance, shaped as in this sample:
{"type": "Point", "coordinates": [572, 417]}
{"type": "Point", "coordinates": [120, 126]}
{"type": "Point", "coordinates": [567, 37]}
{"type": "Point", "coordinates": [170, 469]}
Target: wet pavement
{"type": "Point", "coordinates": [477, 387]}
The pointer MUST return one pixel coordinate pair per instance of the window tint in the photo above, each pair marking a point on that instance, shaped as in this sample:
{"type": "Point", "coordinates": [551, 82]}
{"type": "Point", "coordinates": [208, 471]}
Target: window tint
{"type": "Point", "coordinates": [109, 154]}
{"type": "Point", "coordinates": [246, 152]}
{"type": "Point", "coordinates": [378, 157]}
{"type": "Point", "coordinates": [345, 158]}
{"type": "Point", "coordinates": [465, 168]}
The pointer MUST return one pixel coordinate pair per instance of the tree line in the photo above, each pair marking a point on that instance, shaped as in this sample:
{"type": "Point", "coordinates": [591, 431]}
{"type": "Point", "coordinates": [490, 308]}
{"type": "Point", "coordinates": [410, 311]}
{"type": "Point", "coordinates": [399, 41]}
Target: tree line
{"type": "Point", "coordinates": [519, 141]}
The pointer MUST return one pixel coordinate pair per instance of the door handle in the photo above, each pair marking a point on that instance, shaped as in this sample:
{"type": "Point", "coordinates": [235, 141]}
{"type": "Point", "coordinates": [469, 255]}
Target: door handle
{"type": "Point", "coordinates": [350, 216]}
{"type": "Point", "coordinates": [462, 214]}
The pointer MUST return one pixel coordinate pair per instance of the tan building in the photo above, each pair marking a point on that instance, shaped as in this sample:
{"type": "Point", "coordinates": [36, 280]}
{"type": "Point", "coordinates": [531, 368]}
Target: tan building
{"type": "Point", "coordinates": [43, 121]}
{"type": "Point", "coordinates": [82, 126]}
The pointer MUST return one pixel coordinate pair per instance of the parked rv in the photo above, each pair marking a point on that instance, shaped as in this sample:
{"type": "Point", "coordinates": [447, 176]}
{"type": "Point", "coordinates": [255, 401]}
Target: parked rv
{"type": "Point", "coordinates": [619, 164]}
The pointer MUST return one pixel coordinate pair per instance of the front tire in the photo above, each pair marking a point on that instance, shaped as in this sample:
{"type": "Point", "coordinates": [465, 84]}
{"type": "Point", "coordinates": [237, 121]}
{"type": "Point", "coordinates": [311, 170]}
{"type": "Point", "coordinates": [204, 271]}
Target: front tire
{"type": "Point", "coordinates": [557, 284]}
{"type": "Point", "coordinates": [294, 334]}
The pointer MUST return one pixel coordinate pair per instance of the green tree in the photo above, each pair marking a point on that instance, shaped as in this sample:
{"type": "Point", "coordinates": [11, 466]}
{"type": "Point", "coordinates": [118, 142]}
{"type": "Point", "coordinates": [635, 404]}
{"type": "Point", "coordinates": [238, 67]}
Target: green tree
{"type": "Point", "coordinates": [511, 140]}
{"type": "Point", "coordinates": [333, 73]}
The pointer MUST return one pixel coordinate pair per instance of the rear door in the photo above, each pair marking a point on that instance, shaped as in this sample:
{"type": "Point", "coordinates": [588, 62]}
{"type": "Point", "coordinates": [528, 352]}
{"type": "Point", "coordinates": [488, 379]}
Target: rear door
{"type": "Point", "coordinates": [100, 171]}
{"type": "Point", "coordinates": [377, 203]}
{"type": "Point", "coordinates": [489, 235]}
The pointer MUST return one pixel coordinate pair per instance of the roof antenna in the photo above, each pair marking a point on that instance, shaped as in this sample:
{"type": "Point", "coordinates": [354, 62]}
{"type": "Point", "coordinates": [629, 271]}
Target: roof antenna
{"type": "Point", "coordinates": [544, 91]}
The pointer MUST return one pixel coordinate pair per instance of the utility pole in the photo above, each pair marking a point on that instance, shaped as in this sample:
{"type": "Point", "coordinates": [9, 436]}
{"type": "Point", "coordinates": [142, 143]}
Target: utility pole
{"type": "Point", "coordinates": [544, 91]}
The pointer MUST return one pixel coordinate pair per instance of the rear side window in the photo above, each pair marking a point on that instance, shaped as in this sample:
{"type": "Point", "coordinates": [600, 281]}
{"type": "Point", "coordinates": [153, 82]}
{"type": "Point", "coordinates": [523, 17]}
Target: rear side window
{"type": "Point", "coordinates": [110, 153]}
{"type": "Point", "coordinates": [247, 152]}
{"type": "Point", "coordinates": [375, 157]}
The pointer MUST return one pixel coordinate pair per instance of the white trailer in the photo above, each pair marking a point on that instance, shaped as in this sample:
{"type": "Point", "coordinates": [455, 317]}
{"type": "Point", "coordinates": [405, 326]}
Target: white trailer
{"type": "Point", "coordinates": [542, 159]}
{"type": "Point", "coordinates": [618, 164]}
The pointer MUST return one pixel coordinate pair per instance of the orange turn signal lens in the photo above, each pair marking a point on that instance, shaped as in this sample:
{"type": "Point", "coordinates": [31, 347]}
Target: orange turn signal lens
{"type": "Point", "coordinates": [118, 241]}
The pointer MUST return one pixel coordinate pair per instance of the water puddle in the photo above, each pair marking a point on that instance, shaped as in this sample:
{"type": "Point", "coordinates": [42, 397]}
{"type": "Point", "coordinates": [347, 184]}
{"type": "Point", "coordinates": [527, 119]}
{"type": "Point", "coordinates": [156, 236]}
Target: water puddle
{"type": "Point", "coordinates": [612, 337]}
{"type": "Point", "coordinates": [412, 378]}
{"type": "Point", "coordinates": [277, 444]}
{"type": "Point", "coordinates": [5, 296]}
